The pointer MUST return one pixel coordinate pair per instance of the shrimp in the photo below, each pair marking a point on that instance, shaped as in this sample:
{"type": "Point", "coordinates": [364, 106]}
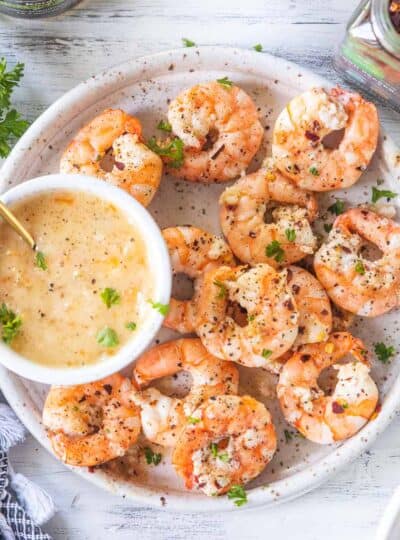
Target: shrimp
{"type": "Point", "coordinates": [110, 147]}
{"type": "Point", "coordinates": [312, 302]}
{"type": "Point", "coordinates": [89, 424]}
{"type": "Point", "coordinates": [192, 252]}
{"type": "Point", "coordinates": [272, 317]}
{"type": "Point", "coordinates": [322, 418]}
{"type": "Point", "coordinates": [220, 130]}
{"type": "Point", "coordinates": [301, 130]}
{"type": "Point", "coordinates": [163, 417]}
{"type": "Point", "coordinates": [360, 286]}
{"type": "Point", "coordinates": [232, 442]}
{"type": "Point", "coordinates": [242, 210]}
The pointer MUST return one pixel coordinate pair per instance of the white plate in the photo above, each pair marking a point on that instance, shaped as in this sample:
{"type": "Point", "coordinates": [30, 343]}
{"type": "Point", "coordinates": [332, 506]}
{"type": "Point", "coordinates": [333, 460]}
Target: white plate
{"type": "Point", "coordinates": [142, 87]}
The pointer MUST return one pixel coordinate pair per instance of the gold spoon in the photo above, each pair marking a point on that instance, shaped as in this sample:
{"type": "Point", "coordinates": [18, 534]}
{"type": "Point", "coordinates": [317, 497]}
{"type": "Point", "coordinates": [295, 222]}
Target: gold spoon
{"type": "Point", "coordinates": [16, 225]}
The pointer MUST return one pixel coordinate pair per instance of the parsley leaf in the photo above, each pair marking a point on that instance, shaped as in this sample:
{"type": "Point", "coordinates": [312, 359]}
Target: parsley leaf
{"type": "Point", "coordinates": [131, 326]}
{"type": "Point", "coordinates": [290, 235]}
{"type": "Point", "coordinates": [40, 261]}
{"type": "Point", "coordinates": [107, 337]}
{"type": "Point", "coordinates": [337, 207]}
{"type": "Point", "coordinates": [11, 127]}
{"type": "Point", "coordinates": [258, 47]}
{"type": "Point", "coordinates": [163, 125]}
{"type": "Point", "coordinates": [11, 323]}
{"type": "Point", "coordinates": [214, 449]}
{"type": "Point", "coordinates": [266, 353]}
{"type": "Point", "coordinates": [8, 81]}
{"type": "Point", "coordinates": [193, 420]}
{"type": "Point", "coordinates": [314, 171]}
{"type": "Point", "coordinates": [328, 227]}
{"type": "Point", "coordinates": [382, 193]}
{"type": "Point", "coordinates": [172, 150]}
{"type": "Point", "coordinates": [151, 457]}
{"type": "Point", "coordinates": [223, 291]}
{"type": "Point", "coordinates": [163, 309]}
{"type": "Point", "coordinates": [384, 353]}
{"type": "Point", "coordinates": [275, 250]}
{"type": "Point", "coordinates": [288, 435]}
{"type": "Point", "coordinates": [238, 494]}
{"type": "Point", "coordinates": [225, 82]}
{"type": "Point", "coordinates": [188, 42]}
{"type": "Point", "coordinates": [223, 456]}
{"type": "Point", "coordinates": [360, 268]}
{"type": "Point", "coordinates": [110, 297]}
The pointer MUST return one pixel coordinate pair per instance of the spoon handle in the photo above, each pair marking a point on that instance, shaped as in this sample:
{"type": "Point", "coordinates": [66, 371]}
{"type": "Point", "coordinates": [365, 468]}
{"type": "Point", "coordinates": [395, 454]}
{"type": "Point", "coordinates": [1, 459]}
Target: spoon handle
{"type": "Point", "coordinates": [16, 225]}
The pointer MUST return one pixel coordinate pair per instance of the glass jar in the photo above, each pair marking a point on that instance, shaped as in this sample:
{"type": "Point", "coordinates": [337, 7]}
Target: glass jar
{"type": "Point", "coordinates": [29, 9]}
{"type": "Point", "coordinates": [369, 55]}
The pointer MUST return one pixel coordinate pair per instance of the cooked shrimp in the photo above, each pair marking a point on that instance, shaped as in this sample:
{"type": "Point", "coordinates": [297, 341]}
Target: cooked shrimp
{"type": "Point", "coordinates": [364, 287]}
{"type": "Point", "coordinates": [242, 211]}
{"type": "Point", "coordinates": [220, 130]}
{"type": "Point", "coordinates": [113, 140]}
{"type": "Point", "coordinates": [313, 305]}
{"type": "Point", "coordinates": [91, 423]}
{"type": "Point", "coordinates": [324, 418]}
{"type": "Point", "coordinates": [163, 417]}
{"type": "Point", "coordinates": [193, 252]}
{"type": "Point", "coordinates": [231, 444]}
{"type": "Point", "coordinates": [272, 317]}
{"type": "Point", "coordinates": [301, 130]}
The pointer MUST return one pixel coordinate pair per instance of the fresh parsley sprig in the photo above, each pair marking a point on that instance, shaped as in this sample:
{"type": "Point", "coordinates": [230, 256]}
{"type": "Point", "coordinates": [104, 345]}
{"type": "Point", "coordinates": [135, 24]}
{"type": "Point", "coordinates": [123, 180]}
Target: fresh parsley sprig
{"type": "Point", "coordinates": [238, 495]}
{"type": "Point", "coordinates": [11, 324]}
{"type": "Point", "coordinates": [171, 150]}
{"type": "Point", "coordinates": [384, 353]}
{"type": "Point", "coordinates": [110, 297]}
{"type": "Point", "coordinates": [382, 193]}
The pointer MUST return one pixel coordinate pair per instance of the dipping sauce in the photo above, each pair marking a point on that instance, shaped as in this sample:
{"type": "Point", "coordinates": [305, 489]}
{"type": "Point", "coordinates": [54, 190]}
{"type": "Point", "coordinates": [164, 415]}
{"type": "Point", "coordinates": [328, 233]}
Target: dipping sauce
{"type": "Point", "coordinates": [87, 291]}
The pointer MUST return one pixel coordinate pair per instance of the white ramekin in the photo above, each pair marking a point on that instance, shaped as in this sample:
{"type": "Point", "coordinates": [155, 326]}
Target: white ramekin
{"type": "Point", "coordinates": [160, 265]}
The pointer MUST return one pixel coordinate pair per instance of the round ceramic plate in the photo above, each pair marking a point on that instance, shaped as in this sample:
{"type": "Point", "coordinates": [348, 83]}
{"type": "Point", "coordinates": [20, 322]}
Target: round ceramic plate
{"type": "Point", "coordinates": [143, 88]}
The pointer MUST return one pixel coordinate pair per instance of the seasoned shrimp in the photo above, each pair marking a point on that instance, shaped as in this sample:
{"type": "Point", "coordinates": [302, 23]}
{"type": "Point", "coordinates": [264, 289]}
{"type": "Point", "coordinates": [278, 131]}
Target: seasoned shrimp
{"type": "Point", "coordinates": [242, 211]}
{"type": "Point", "coordinates": [301, 130]}
{"type": "Point", "coordinates": [313, 305]}
{"type": "Point", "coordinates": [324, 418]}
{"type": "Point", "coordinates": [232, 442]}
{"type": "Point", "coordinates": [92, 423]}
{"type": "Point", "coordinates": [364, 287]}
{"type": "Point", "coordinates": [219, 127]}
{"type": "Point", "coordinates": [163, 417]}
{"type": "Point", "coordinates": [110, 147]}
{"type": "Point", "coordinates": [272, 317]}
{"type": "Point", "coordinates": [193, 252]}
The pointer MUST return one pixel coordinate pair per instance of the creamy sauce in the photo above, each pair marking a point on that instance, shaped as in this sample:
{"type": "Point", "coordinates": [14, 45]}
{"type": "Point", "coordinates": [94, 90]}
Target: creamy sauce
{"type": "Point", "coordinates": [88, 246]}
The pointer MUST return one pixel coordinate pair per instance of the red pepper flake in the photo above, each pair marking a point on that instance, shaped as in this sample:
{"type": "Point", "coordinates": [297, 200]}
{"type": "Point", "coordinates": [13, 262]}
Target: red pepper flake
{"type": "Point", "coordinates": [312, 136]}
{"type": "Point", "coordinates": [91, 469]}
{"type": "Point", "coordinates": [337, 408]}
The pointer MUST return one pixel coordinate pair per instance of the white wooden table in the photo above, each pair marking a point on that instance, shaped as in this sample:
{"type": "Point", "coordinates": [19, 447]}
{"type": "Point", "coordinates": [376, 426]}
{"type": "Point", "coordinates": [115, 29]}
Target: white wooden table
{"type": "Point", "coordinates": [60, 52]}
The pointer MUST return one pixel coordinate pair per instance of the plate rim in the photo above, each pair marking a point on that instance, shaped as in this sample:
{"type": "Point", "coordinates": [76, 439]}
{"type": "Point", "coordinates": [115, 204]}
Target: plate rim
{"type": "Point", "coordinates": [281, 490]}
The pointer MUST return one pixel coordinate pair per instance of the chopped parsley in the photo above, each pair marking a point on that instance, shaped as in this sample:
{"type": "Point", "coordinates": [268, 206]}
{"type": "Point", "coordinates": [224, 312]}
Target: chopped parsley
{"type": "Point", "coordinates": [131, 326]}
{"type": "Point", "coordinates": [275, 250]}
{"type": "Point", "coordinates": [107, 337]}
{"type": "Point", "coordinates": [266, 353]}
{"type": "Point", "coordinates": [328, 227]}
{"type": "Point", "coordinates": [382, 193]}
{"type": "Point", "coordinates": [163, 125]}
{"type": "Point", "coordinates": [188, 42]}
{"type": "Point", "coordinates": [238, 495]}
{"type": "Point", "coordinates": [110, 297]}
{"type": "Point", "coordinates": [384, 353]}
{"type": "Point", "coordinates": [223, 291]}
{"type": "Point", "coordinates": [360, 268]}
{"type": "Point", "coordinates": [258, 47]}
{"type": "Point", "coordinates": [290, 235]}
{"type": "Point", "coordinates": [223, 456]}
{"type": "Point", "coordinates": [11, 324]}
{"type": "Point", "coordinates": [40, 260]}
{"type": "Point", "coordinates": [193, 420]}
{"type": "Point", "coordinates": [314, 171]}
{"type": "Point", "coordinates": [337, 207]}
{"type": "Point", "coordinates": [172, 150]}
{"type": "Point", "coordinates": [250, 318]}
{"type": "Point", "coordinates": [288, 435]}
{"type": "Point", "coordinates": [225, 82]}
{"type": "Point", "coordinates": [214, 449]}
{"type": "Point", "coordinates": [163, 309]}
{"type": "Point", "coordinates": [151, 457]}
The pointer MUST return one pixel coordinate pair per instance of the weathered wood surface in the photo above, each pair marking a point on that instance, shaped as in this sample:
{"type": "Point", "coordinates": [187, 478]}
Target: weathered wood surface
{"type": "Point", "coordinates": [58, 54]}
